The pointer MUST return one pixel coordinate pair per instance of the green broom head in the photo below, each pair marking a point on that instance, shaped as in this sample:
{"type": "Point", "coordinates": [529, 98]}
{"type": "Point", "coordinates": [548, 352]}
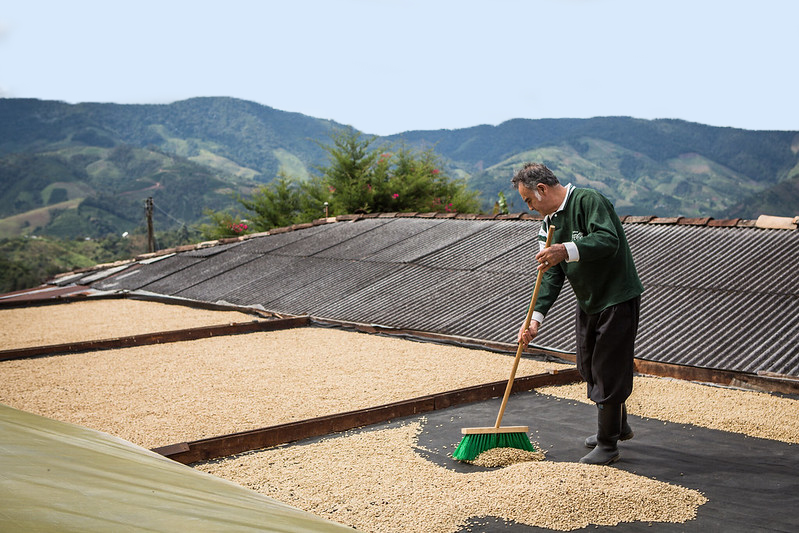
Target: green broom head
{"type": "Point", "coordinates": [473, 444]}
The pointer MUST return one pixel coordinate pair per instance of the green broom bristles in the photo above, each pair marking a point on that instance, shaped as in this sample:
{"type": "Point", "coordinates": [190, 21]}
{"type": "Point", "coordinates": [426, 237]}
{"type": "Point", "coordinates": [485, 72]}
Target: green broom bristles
{"type": "Point", "coordinates": [472, 445]}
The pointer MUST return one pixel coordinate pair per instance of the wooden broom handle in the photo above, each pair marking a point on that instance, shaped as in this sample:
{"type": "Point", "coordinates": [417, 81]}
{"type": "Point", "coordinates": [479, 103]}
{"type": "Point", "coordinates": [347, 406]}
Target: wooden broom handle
{"type": "Point", "coordinates": [526, 325]}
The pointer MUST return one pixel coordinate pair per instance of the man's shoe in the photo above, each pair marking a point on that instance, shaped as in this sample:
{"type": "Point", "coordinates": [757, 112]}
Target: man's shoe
{"type": "Point", "coordinates": [608, 431]}
{"type": "Point", "coordinates": [601, 456]}
{"type": "Point", "coordinates": [590, 442]}
{"type": "Point", "coordinates": [626, 430]}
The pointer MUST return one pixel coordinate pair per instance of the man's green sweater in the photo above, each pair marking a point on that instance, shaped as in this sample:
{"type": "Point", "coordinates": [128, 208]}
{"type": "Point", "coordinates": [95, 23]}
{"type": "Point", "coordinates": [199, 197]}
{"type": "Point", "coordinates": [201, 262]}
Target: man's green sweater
{"type": "Point", "coordinates": [604, 275]}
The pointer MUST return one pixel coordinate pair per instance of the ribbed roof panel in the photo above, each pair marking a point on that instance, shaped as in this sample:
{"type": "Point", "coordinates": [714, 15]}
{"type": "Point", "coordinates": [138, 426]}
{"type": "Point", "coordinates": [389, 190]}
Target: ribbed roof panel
{"type": "Point", "coordinates": [210, 268]}
{"type": "Point", "coordinates": [326, 282]}
{"type": "Point", "coordinates": [140, 275]}
{"type": "Point", "coordinates": [332, 239]}
{"type": "Point", "coordinates": [717, 329]}
{"type": "Point", "coordinates": [394, 300]}
{"type": "Point", "coordinates": [482, 247]}
{"type": "Point", "coordinates": [734, 259]}
{"type": "Point", "coordinates": [369, 244]}
{"type": "Point", "coordinates": [218, 287]}
{"type": "Point", "coordinates": [275, 283]}
{"type": "Point", "coordinates": [424, 237]}
{"type": "Point", "coordinates": [270, 243]}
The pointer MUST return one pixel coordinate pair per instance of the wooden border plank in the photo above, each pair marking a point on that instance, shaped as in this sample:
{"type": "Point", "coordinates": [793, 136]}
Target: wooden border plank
{"type": "Point", "coordinates": [728, 378]}
{"type": "Point", "coordinates": [226, 445]}
{"type": "Point", "coordinates": [155, 338]}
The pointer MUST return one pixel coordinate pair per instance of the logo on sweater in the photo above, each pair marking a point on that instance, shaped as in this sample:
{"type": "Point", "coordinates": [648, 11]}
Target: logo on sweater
{"type": "Point", "coordinates": [576, 236]}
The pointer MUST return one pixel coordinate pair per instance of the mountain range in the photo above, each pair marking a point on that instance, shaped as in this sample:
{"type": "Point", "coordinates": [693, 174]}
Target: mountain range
{"type": "Point", "coordinates": [84, 170]}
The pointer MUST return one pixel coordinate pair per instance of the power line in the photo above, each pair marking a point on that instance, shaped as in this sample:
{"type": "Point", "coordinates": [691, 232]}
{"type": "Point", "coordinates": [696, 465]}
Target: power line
{"type": "Point", "coordinates": [170, 216]}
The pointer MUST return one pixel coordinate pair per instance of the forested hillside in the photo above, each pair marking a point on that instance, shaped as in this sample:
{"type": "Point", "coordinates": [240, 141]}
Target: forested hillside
{"type": "Point", "coordinates": [84, 171]}
{"type": "Point", "coordinates": [658, 167]}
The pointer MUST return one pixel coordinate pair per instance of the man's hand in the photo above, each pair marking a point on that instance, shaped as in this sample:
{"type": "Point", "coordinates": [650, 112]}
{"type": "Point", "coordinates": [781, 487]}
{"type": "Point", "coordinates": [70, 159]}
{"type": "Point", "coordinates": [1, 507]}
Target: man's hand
{"type": "Point", "coordinates": [527, 335]}
{"type": "Point", "coordinates": [551, 256]}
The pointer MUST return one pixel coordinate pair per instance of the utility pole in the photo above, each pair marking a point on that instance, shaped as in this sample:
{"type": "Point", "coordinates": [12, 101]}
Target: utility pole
{"type": "Point", "coordinates": [148, 210]}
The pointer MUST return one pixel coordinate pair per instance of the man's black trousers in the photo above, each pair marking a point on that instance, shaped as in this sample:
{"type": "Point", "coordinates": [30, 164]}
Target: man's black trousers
{"type": "Point", "coordinates": [605, 348]}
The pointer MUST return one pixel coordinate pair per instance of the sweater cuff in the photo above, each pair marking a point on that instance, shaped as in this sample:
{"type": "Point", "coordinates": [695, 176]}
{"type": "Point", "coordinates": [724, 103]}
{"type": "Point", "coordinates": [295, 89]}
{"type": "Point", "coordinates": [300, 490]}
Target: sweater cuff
{"type": "Point", "coordinates": [574, 253]}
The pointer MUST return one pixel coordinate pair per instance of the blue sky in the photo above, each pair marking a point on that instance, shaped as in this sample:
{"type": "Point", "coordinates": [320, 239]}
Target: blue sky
{"type": "Point", "coordinates": [388, 66]}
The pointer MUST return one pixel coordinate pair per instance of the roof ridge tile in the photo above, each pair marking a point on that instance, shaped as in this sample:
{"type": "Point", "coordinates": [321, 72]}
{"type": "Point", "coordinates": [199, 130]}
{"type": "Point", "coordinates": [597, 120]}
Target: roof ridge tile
{"type": "Point", "coordinates": [665, 220]}
{"type": "Point", "coordinates": [699, 221]}
{"type": "Point", "coordinates": [772, 222]}
{"type": "Point", "coordinates": [638, 219]}
{"type": "Point", "coordinates": [746, 223]}
{"type": "Point", "coordinates": [277, 231]}
{"type": "Point", "coordinates": [724, 223]}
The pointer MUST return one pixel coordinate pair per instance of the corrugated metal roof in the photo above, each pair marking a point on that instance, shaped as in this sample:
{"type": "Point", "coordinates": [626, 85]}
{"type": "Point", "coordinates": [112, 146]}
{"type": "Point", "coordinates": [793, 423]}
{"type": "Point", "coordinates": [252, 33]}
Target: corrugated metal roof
{"type": "Point", "coordinates": [194, 274]}
{"type": "Point", "coordinates": [238, 279]}
{"type": "Point", "coordinates": [341, 279]}
{"type": "Point", "coordinates": [421, 237]}
{"type": "Point", "coordinates": [719, 295]}
{"type": "Point", "coordinates": [140, 275]}
{"type": "Point", "coordinates": [494, 240]}
{"type": "Point", "coordinates": [279, 240]}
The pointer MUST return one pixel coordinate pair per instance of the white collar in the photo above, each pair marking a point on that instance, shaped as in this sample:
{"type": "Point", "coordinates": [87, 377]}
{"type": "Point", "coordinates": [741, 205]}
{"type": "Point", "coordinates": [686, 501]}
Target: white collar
{"type": "Point", "coordinates": [569, 189]}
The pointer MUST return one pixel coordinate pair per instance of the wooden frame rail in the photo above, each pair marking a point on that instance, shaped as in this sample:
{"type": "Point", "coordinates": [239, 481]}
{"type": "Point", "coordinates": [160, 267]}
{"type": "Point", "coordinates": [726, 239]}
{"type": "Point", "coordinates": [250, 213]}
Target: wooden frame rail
{"type": "Point", "coordinates": [155, 338]}
{"type": "Point", "coordinates": [226, 445]}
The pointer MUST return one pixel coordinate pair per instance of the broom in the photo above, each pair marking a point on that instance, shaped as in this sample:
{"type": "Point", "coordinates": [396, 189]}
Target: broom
{"type": "Point", "coordinates": [477, 440]}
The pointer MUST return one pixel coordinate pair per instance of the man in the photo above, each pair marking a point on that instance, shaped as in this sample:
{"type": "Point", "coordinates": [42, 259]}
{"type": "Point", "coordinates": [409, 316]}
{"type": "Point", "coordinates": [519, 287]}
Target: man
{"type": "Point", "coordinates": [590, 250]}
